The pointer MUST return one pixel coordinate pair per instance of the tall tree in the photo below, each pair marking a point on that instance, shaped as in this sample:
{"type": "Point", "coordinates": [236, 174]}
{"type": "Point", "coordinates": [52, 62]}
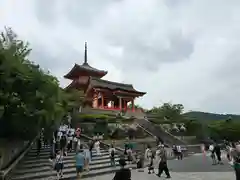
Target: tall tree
{"type": "Point", "coordinates": [29, 97]}
{"type": "Point", "coordinates": [169, 111]}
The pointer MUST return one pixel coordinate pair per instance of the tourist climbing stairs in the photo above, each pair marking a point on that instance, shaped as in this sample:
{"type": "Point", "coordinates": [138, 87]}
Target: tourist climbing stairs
{"type": "Point", "coordinates": [40, 168]}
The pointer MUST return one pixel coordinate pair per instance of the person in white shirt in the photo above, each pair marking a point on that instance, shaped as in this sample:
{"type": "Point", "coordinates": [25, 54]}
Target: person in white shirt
{"type": "Point", "coordinates": [148, 153]}
{"type": "Point", "coordinates": [59, 134]}
{"type": "Point", "coordinates": [97, 147]}
{"type": "Point", "coordinates": [158, 153]}
{"type": "Point", "coordinates": [213, 156]}
{"type": "Point", "coordinates": [179, 152]}
{"type": "Point", "coordinates": [59, 165]}
{"type": "Point", "coordinates": [72, 131]}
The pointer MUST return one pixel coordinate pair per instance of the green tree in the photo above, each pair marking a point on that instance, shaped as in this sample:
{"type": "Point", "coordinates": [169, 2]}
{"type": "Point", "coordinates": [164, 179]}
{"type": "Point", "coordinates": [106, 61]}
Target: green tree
{"type": "Point", "coordinates": [169, 111]}
{"type": "Point", "coordinates": [136, 106]}
{"type": "Point", "coordinates": [224, 130]}
{"type": "Point", "coordinates": [29, 97]}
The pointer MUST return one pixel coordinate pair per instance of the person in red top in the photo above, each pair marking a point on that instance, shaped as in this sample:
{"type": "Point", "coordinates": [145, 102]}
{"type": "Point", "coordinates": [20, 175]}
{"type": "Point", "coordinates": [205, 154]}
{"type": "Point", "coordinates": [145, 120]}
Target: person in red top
{"type": "Point", "coordinates": [78, 133]}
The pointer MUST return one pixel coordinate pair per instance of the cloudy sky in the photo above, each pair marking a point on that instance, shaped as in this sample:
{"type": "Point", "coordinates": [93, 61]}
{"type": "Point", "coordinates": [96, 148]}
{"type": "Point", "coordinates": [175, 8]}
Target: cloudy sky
{"type": "Point", "coordinates": [179, 51]}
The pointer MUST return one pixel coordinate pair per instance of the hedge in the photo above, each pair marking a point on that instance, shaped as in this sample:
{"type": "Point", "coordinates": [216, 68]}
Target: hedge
{"type": "Point", "coordinates": [92, 116]}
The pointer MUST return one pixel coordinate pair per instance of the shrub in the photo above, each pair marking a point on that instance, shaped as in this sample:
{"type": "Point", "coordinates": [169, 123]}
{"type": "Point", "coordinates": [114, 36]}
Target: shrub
{"type": "Point", "coordinates": [92, 117]}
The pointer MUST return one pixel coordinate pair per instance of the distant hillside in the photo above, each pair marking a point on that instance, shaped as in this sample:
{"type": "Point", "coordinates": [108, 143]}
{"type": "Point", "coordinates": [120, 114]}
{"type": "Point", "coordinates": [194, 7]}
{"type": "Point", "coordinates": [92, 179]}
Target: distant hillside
{"type": "Point", "coordinates": [204, 116]}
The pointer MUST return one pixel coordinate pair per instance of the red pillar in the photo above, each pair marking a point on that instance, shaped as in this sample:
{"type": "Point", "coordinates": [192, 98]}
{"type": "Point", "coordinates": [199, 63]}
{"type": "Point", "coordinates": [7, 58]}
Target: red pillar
{"type": "Point", "coordinates": [120, 103]}
{"type": "Point", "coordinates": [133, 107]}
{"type": "Point", "coordinates": [96, 96]}
{"type": "Point", "coordinates": [102, 100]}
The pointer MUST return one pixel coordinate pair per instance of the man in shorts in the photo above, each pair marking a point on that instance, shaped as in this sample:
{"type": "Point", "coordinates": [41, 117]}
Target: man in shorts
{"type": "Point", "coordinates": [80, 162]}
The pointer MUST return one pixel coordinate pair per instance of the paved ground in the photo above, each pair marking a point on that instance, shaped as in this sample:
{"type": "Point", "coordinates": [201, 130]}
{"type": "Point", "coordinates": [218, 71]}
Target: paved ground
{"type": "Point", "coordinates": [198, 163]}
{"type": "Point", "coordinates": [175, 176]}
{"type": "Point", "coordinates": [196, 167]}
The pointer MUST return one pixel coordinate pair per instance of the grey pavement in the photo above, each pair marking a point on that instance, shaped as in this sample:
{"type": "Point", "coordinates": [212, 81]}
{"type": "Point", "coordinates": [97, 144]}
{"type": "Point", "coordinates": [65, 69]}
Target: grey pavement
{"type": "Point", "coordinates": [196, 167]}
{"type": "Point", "coordinates": [175, 176]}
{"type": "Point", "coordinates": [198, 163]}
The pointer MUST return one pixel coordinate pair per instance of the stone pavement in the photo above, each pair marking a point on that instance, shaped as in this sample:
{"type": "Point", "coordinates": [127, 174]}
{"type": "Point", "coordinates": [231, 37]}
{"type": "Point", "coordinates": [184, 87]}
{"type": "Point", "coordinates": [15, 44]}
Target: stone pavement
{"type": "Point", "coordinates": [175, 176]}
{"type": "Point", "coordinates": [199, 163]}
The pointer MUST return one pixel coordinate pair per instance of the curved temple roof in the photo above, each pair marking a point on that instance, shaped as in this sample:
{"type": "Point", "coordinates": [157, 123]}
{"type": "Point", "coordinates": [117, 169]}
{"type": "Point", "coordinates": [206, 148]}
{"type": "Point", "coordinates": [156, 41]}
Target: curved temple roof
{"type": "Point", "coordinates": [85, 67]}
{"type": "Point", "coordinates": [96, 82]}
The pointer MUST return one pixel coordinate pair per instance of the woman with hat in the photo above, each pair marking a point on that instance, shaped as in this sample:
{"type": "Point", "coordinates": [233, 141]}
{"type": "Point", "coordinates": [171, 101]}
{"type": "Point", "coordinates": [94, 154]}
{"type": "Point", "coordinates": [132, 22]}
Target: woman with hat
{"type": "Point", "coordinates": [123, 173]}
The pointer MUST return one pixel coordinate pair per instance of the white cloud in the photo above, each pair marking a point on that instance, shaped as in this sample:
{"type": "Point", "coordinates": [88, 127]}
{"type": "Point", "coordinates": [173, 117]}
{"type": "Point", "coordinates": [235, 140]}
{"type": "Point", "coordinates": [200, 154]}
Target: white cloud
{"type": "Point", "coordinates": [179, 51]}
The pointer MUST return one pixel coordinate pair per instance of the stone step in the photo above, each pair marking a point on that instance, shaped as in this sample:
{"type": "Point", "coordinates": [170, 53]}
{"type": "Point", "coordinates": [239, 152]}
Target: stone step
{"type": "Point", "coordinates": [46, 152]}
{"type": "Point", "coordinates": [71, 176]}
{"type": "Point", "coordinates": [35, 168]}
{"type": "Point", "coordinates": [48, 171]}
{"type": "Point", "coordinates": [69, 155]}
{"type": "Point", "coordinates": [69, 162]}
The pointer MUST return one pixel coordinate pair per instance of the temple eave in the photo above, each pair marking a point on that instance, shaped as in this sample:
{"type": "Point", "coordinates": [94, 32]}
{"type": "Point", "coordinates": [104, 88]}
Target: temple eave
{"type": "Point", "coordinates": [78, 69]}
{"type": "Point", "coordinates": [120, 91]}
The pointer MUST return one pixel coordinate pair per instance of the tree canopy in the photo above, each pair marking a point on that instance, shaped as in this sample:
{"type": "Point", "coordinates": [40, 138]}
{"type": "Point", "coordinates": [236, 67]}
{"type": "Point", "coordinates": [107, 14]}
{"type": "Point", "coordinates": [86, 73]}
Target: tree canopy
{"type": "Point", "coordinates": [200, 124]}
{"type": "Point", "coordinates": [168, 111]}
{"type": "Point", "coordinates": [29, 97]}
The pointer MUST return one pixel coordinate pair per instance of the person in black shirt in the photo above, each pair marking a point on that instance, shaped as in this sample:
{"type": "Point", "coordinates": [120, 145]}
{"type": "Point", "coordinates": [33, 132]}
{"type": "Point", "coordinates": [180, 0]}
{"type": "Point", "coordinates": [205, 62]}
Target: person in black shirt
{"type": "Point", "coordinates": [123, 173]}
{"type": "Point", "coordinates": [39, 145]}
{"type": "Point", "coordinates": [217, 151]}
{"type": "Point", "coordinates": [91, 145]}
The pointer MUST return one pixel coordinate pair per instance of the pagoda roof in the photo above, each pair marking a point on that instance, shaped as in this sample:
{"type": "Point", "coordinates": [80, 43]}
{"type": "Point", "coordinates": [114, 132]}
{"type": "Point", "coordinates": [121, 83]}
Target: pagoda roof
{"type": "Point", "coordinates": [97, 82]}
{"type": "Point", "coordinates": [85, 67]}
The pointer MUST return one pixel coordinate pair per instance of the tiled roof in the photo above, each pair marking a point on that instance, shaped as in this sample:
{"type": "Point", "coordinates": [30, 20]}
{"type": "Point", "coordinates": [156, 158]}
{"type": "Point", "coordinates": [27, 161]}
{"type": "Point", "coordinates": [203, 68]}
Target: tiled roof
{"type": "Point", "coordinates": [97, 82]}
{"type": "Point", "coordinates": [84, 67]}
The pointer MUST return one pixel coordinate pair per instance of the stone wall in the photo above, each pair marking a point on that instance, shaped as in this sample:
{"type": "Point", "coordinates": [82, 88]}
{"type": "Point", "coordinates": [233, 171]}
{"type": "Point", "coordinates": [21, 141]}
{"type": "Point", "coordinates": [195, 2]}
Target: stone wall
{"type": "Point", "coordinates": [9, 150]}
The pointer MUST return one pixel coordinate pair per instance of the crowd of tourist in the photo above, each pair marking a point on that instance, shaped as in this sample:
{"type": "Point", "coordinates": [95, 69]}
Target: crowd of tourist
{"type": "Point", "coordinates": [67, 139]}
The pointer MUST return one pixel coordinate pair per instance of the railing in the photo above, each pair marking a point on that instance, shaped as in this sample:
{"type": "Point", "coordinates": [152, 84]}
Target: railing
{"type": "Point", "coordinates": [159, 132]}
{"type": "Point", "coordinates": [138, 152]}
{"type": "Point", "coordinates": [102, 144]}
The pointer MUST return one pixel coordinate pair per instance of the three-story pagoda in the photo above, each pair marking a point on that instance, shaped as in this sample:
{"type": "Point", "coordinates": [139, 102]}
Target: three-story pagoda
{"type": "Point", "coordinates": [101, 93]}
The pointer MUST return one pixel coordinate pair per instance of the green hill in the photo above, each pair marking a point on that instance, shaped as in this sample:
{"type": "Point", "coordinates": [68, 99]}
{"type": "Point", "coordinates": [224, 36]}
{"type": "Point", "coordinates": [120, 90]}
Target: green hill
{"type": "Point", "coordinates": [205, 116]}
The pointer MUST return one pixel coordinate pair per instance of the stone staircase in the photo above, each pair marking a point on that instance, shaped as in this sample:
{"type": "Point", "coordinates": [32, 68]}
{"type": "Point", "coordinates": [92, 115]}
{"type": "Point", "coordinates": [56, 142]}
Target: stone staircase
{"type": "Point", "coordinates": [157, 131]}
{"type": "Point", "coordinates": [40, 168]}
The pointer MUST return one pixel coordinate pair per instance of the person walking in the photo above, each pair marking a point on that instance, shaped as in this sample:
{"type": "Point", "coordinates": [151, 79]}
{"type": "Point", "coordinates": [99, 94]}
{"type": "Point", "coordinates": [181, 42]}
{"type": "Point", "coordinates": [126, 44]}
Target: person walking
{"type": "Point", "coordinates": [148, 153]}
{"type": "Point", "coordinates": [212, 154]}
{"type": "Point", "coordinates": [87, 156]}
{"type": "Point", "coordinates": [62, 143]}
{"type": "Point", "coordinates": [123, 173]}
{"type": "Point", "coordinates": [163, 163]}
{"type": "Point", "coordinates": [91, 145]}
{"type": "Point", "coordinates": [39, 145]}
{"type": "Point", "coordinates": [70, 144]}
{"type": "Point", "coordinates": [97, 147]}
{"type": "Point", "coordinates": [151, 165]}
{"type": "Point", "coordinates": [112, 155]}
{"type": "Point", "coordinates": [80, 162]}
{"type": "Point", "coordinates": [179, 152]}
{"type": "Point", "coordinates": [235, 154]}
{"type": "Point", "coordinates": [59, 165]}
{"type": "Point", "coordinates": [217, 150]}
